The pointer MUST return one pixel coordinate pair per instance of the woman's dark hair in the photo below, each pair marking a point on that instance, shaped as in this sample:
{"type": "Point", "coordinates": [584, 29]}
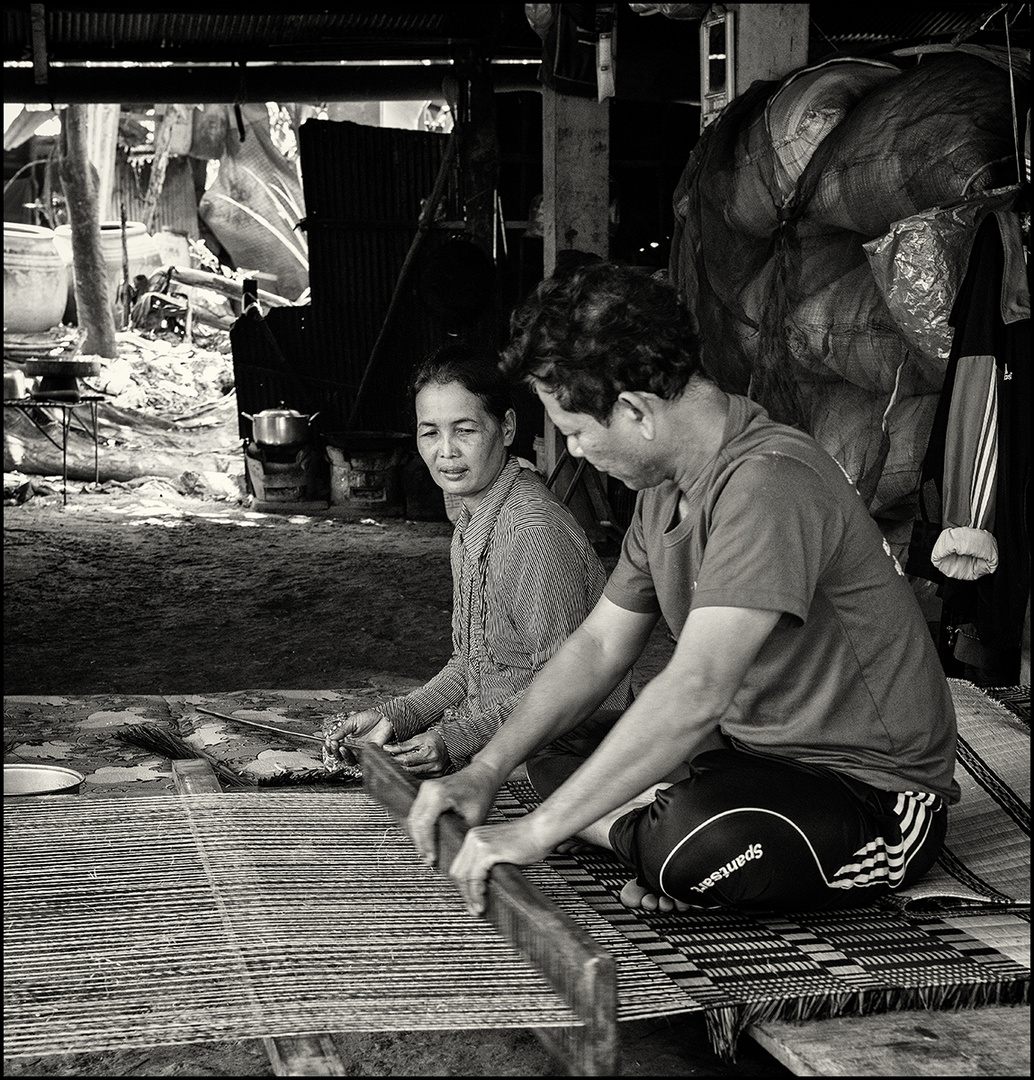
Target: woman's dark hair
{"type": "Point", "coordinates": [594, 331]}
{"type": "Point", "coordinates": [479, 374]}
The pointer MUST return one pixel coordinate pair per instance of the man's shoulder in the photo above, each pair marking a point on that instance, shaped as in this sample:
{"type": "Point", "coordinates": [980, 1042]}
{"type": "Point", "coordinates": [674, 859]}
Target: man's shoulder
{"type": "Point", "coordinates": [769, 450]}
{"type": "Point", "coordinates": [754, 428]}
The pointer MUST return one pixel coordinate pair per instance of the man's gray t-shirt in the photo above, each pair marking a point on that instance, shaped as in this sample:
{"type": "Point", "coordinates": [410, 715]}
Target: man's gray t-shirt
{"type": "Point", "coordinates": [849, 678]}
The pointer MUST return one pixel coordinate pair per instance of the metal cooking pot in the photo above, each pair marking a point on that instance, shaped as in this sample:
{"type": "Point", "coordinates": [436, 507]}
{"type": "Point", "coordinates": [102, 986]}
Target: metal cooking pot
{"type": "Point", "coordinates": [280, 427]}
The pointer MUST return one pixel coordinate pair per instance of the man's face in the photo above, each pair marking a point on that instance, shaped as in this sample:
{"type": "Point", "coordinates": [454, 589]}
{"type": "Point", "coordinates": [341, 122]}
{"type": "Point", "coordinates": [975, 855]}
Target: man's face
{"type": "Point", "coordinates": [616, 449]}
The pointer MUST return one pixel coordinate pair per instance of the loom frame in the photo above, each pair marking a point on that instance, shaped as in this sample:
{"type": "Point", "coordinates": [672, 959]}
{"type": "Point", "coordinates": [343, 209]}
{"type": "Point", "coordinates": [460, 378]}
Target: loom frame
{"type": "Point", "coordinates": [582, 973]}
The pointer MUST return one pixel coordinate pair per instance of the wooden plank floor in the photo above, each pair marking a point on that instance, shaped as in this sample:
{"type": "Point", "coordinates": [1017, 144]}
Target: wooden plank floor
{"type": "Point", "coordinates": [992, 1041]}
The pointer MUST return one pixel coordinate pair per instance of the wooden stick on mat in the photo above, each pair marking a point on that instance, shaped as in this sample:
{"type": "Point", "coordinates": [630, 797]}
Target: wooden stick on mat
{"type": "Point", "coordinates": [582, 973]}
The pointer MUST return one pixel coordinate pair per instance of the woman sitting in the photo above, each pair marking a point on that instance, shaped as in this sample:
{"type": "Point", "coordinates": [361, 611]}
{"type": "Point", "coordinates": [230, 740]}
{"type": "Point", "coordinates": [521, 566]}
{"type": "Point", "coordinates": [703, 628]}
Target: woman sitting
{"type": "Point", "coordinates": [524, 575]}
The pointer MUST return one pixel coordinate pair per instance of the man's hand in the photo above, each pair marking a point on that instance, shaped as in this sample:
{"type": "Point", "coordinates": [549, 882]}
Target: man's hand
{"type": "Point", "coordinates": [487, 845]}
{"type": "Point", "coordinates": [469, 793]}
{"type": "Point", "coordinates": [423, 755]}
{"type": "Point", "coordinates": [366, 726]}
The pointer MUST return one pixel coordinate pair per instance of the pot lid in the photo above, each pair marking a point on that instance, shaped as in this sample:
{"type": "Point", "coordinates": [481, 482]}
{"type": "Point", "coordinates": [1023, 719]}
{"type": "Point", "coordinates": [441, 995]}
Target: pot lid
{"type": "Point", "coordinates": [282, 411]}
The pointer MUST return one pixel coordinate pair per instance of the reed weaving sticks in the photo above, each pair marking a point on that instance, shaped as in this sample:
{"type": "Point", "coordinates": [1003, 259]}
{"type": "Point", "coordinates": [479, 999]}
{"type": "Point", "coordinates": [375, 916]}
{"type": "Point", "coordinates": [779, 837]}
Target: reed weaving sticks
{"type": "Point", "coordinates": [582, 973]}
{"type": "Point", "coordinates": [171, 920]}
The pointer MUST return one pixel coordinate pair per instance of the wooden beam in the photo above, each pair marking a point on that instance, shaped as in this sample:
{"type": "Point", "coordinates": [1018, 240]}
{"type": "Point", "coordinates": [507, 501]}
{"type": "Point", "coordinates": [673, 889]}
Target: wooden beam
{"type": "Point", "coordinates": [989, 1041]}
{"type": "Point", "coordinates": [202, 85]}
{"type": "Point", "coordinates": [227, 286]}
{"type": "Point", "coordinates": [582, 973]}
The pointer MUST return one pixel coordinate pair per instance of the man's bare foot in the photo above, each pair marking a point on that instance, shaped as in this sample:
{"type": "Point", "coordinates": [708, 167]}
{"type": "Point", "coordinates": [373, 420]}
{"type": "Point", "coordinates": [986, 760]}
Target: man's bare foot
{"type": "Point", "coordinates": [574, 846]}
{"type": "Point", "coordinates": [634, 895]}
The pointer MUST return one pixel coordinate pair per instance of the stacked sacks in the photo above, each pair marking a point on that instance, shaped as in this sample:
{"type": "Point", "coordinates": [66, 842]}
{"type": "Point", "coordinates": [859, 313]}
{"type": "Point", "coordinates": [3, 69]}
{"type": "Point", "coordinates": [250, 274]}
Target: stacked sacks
{"type": "Point", "coordinates": [769, 249]}
{"type": "Point", "coordinates": [737, 189]}
{"type": "Point", "coordinates": [939, 132]}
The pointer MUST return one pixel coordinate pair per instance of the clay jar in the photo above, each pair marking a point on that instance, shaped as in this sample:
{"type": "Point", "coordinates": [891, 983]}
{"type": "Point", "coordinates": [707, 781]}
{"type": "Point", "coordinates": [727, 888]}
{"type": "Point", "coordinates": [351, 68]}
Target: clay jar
{"type": "Point", "coordinates": [35, 279]}
{"type": "Point", "coordinates": [143, 254]}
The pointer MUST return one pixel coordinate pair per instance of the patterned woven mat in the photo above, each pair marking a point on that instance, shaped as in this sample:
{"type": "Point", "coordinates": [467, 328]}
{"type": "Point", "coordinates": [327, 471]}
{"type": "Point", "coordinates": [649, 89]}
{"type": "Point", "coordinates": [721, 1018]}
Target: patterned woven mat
{"type": "Point", "coordinates": [960, 939]}
{"type": "Point", "coordinates": [986, 857]}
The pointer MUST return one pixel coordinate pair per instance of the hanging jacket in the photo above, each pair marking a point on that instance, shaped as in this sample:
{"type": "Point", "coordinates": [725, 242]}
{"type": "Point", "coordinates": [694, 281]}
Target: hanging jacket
{"type": "Point", "coordinates": [980, 442]}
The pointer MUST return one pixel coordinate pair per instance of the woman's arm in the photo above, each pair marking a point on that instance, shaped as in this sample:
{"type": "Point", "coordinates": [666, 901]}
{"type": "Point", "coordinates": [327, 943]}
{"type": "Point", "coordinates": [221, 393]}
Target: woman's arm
{"type": "Point", "coordinates": [569, 688]}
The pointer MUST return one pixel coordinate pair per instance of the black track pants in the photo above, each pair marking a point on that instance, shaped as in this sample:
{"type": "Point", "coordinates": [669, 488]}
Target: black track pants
{"type": "Point", "coordinates": [752, 830]}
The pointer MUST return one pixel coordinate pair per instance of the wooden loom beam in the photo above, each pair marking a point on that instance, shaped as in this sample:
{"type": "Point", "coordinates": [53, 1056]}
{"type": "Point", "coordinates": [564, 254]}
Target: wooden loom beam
{"type": "Point", "coordinates": [581, 972]}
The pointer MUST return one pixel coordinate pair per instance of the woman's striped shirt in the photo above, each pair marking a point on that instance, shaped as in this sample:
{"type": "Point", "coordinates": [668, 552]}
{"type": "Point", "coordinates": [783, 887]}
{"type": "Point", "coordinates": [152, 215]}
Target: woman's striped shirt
{"type": "Point", "coordinates": [524, 577]}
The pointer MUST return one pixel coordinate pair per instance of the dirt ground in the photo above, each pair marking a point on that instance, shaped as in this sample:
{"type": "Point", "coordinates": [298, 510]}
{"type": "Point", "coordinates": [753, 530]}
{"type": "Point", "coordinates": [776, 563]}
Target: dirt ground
{"type": "Point", "coordinates": [137, 589]}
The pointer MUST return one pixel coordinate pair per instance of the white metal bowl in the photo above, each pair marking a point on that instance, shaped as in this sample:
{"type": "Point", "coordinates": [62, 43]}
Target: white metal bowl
{"type": "Point", "coordinates": [25, 779]}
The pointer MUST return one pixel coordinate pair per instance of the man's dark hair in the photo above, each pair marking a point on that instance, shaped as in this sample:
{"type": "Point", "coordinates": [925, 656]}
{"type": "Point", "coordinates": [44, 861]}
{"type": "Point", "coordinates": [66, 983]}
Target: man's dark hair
{"type": "Point", "coordinates": [479, 374]}
{"type": "Point", "coordinates": [590, 333]}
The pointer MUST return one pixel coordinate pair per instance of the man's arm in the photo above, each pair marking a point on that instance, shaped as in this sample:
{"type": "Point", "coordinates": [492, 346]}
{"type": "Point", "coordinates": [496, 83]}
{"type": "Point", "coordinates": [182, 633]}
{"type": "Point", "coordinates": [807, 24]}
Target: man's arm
{"type": "Point", "coordinates": [568, 689]}
{"type": "Point", "coordinates": [675, 713]}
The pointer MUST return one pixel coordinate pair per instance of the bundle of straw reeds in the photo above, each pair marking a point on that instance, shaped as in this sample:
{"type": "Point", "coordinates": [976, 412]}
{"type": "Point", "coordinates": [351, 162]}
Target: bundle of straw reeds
{"type": "Point", "coordinates": [162, 740]}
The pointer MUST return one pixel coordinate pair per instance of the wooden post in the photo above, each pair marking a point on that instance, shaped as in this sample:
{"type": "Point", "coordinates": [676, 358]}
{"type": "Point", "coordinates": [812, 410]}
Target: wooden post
{"type": "Point", "coordinates": [576, 214]}
{"type": "Point", "coordinates": [91, 277]}
{"type": "Point", "coordinates": [575, 176]}
{"type": "Point", "coordinates": [771, 41]}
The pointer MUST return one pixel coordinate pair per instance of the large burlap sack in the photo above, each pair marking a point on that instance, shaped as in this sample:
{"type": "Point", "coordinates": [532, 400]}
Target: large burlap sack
{"type": "Point", "coordinates": [808, 105]}
{"type": "Point", "coordinates": [935, 134]}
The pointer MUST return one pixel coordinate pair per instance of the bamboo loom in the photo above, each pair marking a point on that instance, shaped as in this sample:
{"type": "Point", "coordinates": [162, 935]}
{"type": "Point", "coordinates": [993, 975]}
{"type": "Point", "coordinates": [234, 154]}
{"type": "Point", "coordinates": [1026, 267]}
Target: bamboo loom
{"type": "Point", "coordinates": [158, 921]}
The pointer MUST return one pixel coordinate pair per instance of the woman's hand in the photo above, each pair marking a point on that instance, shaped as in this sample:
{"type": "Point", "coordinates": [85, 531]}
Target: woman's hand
{"type": "Point", "coordinates": [424, 755]}
{"type": "Point", "coordinates": [367, 726]}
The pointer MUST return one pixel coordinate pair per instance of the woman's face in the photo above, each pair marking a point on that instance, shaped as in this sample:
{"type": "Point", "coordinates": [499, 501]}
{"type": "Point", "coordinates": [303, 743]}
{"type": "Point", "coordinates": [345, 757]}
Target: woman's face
{"type": "Point", "coordinates": [461, 442]}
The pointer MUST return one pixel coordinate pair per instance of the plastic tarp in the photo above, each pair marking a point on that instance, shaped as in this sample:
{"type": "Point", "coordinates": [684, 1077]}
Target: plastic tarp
{"type": "Point", "coordinates": [256, 202]}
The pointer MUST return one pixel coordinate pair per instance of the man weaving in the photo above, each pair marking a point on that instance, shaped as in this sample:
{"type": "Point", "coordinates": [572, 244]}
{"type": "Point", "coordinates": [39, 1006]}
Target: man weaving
{"type": "Point", "coordinates": [798, 749]}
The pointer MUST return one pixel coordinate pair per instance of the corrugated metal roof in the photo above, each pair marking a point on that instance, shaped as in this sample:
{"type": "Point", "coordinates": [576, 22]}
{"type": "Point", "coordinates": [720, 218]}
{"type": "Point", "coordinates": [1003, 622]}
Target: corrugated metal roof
{"type": "Point", "coordinates": [204, 51]}
{"type": "Point", "coordinates": [844, 27]}
{"type": "Point", "coordinates": [355, 31]}
{"type": "Point", "coordinates": [407, 31]}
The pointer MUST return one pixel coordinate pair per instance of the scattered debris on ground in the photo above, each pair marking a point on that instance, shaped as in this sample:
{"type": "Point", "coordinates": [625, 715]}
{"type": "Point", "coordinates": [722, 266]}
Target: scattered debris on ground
{"type": "Point", "coordinates": [169, 410]}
